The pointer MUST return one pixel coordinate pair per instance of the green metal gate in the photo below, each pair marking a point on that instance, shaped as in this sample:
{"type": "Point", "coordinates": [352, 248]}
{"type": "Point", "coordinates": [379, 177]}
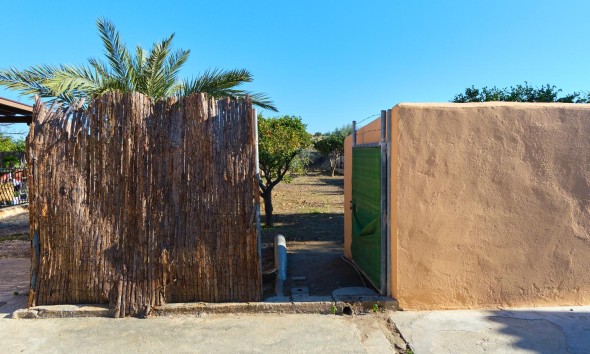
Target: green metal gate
{"type": "Point", "coordinates": [366, 212]}
{"type": "Point", "coordinates": [370, 208]}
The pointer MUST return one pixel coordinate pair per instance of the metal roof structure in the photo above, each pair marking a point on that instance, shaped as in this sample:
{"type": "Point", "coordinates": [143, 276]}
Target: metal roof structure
{"type": "Point", "coordinates": [15, 112]}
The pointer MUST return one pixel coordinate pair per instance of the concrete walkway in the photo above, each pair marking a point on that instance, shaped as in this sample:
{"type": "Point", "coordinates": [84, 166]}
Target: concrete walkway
{"type": "Point", "coordinates": [14, 278]}
{"type": "Point", "coordinates": [259, 333]}
{"type": "Point", "coordinates": [528, 330]}
{"type": "Point", "coordinates": [191, 334]}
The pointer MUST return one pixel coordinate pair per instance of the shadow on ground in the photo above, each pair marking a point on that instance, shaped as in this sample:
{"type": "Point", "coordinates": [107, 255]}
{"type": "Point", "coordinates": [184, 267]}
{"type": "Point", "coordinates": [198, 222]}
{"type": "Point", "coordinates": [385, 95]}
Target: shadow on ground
{"type": "Point", "coordinates": [338, 182]}
{"type": "Point", "coordinates": [542, 330]}
{"type": "Point", "coordinates": [315, 248]}
{"type": "Point", "coordinates": [545, 332]}
{"type": "Point", "coordinates": [307, 227]}
{"type": "Point", "coordinates": [320, 268]}
{"type": "Point", "coordinates": [330, 181]}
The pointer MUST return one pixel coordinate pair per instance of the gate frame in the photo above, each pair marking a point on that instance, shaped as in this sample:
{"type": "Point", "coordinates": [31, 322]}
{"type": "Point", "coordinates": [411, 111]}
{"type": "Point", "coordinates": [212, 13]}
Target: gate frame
{"type": "Point", "coordinates": [385, 209]}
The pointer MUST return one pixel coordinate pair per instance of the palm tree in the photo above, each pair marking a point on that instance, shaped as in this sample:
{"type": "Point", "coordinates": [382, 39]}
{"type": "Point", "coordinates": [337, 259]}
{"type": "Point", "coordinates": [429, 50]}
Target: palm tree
{"type": "Point", "coordinates": [153, 73]}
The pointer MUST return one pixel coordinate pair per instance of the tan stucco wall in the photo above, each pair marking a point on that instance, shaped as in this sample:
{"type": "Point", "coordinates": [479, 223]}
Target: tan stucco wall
{"type": "Point", "coordinates": [492, 204]}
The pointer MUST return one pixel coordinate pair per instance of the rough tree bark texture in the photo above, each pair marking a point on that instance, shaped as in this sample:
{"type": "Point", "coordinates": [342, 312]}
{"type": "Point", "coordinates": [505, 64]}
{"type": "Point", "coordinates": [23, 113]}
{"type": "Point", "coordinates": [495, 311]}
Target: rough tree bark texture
{"type": "Point", "coordinates": [137, 203]}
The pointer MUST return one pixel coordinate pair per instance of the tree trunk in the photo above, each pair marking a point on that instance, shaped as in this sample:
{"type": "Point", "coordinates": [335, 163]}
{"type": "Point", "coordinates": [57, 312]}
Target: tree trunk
{"type": "Point", "coordinates": [333, 163]}
{"type": "Point", "coordinates": [267, 196]}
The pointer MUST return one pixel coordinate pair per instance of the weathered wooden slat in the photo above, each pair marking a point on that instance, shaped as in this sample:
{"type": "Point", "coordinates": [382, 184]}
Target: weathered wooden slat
{"type": "Point", "coordinates": [136, 203]}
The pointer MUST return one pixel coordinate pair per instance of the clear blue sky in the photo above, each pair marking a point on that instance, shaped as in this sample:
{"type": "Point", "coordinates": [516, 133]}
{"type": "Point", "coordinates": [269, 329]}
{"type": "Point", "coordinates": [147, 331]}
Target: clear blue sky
{"type": "Point", "coordinates": [329, 62]}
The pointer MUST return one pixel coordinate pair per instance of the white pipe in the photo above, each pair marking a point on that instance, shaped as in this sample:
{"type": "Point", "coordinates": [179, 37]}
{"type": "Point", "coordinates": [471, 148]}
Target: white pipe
{"type": "Point", "coordinates": [280, 263]}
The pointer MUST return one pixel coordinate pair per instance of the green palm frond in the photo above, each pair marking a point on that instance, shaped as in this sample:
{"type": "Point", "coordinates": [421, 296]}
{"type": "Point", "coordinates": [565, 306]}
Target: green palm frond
{"type": "Point", "coordinates": [262, 100]}
{"type": "Point", "coordinates": [155, 69]}
{"type": "Point", "coordinates": [258, 99]}
{"type": "Point", "coordinates": [216, 82]}
{"type": "Point", "coordinates": [222, 83]}
{"type": "Point", "coordinates": [32, 81]}
{"type": "Point", "coordinates": [74, 78]}
{"type": "Point", "coordinates": [152, 72]}
{"type": "Point", "coordinates": [27, 81]}
{"type": "Point", "coordinates": [173, 64]}
{"type": "Point", "coordinates": [100, 66]}
{"type": "Point", "coordinates": [138, 65]}
{"type": "Point", "coordinates": [115, 51]}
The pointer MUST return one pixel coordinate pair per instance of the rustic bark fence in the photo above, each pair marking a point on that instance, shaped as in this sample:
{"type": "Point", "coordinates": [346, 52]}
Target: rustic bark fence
{"type": "Point", "coordinates": [135, 203]}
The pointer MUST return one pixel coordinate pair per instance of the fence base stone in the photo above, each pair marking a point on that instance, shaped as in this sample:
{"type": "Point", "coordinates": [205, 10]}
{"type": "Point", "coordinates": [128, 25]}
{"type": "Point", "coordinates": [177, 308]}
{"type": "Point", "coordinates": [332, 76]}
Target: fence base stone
{"type": "Point", "coordinates": [202, 309]}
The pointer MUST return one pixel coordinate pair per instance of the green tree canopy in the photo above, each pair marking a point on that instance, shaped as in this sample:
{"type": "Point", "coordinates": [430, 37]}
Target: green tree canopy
{"type": "Point", "coordinates": [152, 72]}
{"type": "Point", "coordinates": [331, 147]}
{"type": "Point", "coordinates": [343, 131]}
{"type": "Point", "coordinates": [10, 145]}
{"type": "Point", "coordinates": [520, 93]}
{"type": "Point", "coordinates": [280, 139]}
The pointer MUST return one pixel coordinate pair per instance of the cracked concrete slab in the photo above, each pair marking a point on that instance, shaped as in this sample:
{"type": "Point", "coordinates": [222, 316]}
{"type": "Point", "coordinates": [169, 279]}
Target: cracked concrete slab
{"type": "Point", "coordinates": [278, 333]}
{"type": "Point", "coordinates": [14, 276]}
{"type": "Point", "coordinates": [14, 284]}
{"type": "Point", "coordinates": [523, 330]}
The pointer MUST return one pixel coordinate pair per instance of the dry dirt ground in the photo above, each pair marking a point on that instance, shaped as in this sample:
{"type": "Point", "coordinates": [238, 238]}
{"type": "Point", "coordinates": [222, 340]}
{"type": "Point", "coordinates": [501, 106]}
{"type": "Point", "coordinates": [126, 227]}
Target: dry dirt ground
{"type": "Point", "coordinates": [14, 235]}
{"type": "Point", "coordinates": [14, 259]}
{"type": "Point", "coordinates": [310, 208]}
{"type": "Point", "coordinates": [309, 212]}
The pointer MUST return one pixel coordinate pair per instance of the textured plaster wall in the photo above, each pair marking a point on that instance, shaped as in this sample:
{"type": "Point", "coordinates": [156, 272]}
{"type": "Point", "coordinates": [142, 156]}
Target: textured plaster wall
{"type": "Point", "coordinates": [490, 204]}
{"type": "Point", "coordinates": [493, 205]}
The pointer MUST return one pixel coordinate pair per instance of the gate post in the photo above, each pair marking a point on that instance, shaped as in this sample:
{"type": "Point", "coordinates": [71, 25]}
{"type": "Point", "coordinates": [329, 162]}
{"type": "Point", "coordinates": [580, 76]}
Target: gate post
{"type": "Point", "coordinates": [384, 221]}
{"type": "Point", "coordinates": [388, 210]}
{"type": "Point", "coordinates": [353, 133]}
